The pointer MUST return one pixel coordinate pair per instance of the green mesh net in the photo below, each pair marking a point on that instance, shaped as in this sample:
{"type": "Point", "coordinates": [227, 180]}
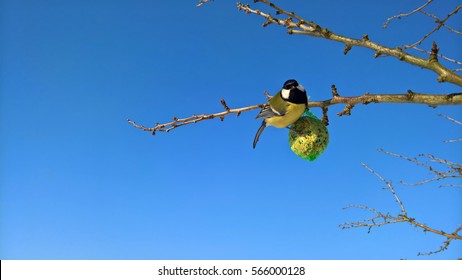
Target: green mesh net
{"type": "Point", "coordinates": [308, 137]}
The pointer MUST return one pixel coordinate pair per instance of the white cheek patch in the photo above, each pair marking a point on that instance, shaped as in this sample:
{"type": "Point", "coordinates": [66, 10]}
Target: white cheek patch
{"type": "Point", "coordinates": [285, 93]}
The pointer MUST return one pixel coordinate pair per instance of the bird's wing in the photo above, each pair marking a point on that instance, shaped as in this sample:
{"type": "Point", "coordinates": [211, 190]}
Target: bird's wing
{"type": "Point", "coordinates": [273, 109]}
{"type": "Point", "coordinates": [268, 112]}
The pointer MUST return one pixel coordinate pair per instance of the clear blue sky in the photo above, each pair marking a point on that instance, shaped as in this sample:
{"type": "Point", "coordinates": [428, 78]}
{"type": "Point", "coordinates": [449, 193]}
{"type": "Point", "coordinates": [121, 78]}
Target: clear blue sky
{"type": "Point", "coordinates": [78, 182]}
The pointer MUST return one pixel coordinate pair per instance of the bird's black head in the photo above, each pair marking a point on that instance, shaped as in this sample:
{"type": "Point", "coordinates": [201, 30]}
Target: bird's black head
{"type": "Point", "coordinates": [290, 84]}
{"type": "Point", "coordinates": [293, 92]}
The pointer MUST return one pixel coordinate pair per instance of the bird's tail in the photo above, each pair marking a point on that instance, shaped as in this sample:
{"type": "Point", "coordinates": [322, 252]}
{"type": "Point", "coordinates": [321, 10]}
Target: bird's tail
{"type": "Point", "coordinates": [257, 136]}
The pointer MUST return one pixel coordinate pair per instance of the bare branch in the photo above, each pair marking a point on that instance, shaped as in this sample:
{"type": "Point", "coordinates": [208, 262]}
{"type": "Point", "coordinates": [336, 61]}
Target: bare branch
{"type": "Point", "coordinates": [453, 140]}
{"type": "Point", "coordinates": [440, 56]}
{"type": "Point", "coordinates": [437, 20]}
{"type": "Point", "coordinates": [267, 95]}
{"type": "Point", "coordinates": [443, 247]}
{"type": "Point", "coordinates": [440, 23]}
{"type": "Point", "coordinates": [166, 127]}
{"type": "Point", "coordinates": [380, 219]}
{"type": "Point", "coordinates": [457, 122]}
{"type": "Point", "coordinates": [432, 100]}
{"type": "Point", "coordinates": [297, 25]}
{"type": "Point", "coordinates": [453, 30]}
{"type": "Point", "coordinates": [452, 169]}
{"type": "Point", "coordinates": [400, 15]}
{"type": "Point", "coordinates": [202, 2]}
{"type": "Point", "coordinates": [451, 119]}
{"type": "Point", "coordinates": [389, 186]}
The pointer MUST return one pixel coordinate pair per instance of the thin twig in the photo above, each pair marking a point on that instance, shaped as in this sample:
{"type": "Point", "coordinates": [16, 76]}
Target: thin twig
{"type": "Point", "coordinates": [456, 121]}
{"type": "Point", "coordinates": [389, 186]}
{"type": "Point", "coordinates": [453, 30]}
{"type": "Point", "coordinates": [400, 15]}
{"type": "Point", "coordinates": [202, 2]}
{"type": "Point", "coordinates": [451, 119]}
{"type": "Point", "coordinates": [440, 23]}
{"type": "Point", "coordinates": [452, 169]}
{"type": "Point", "coordinates": [437, 20]}
{"type": "Point", "coordinates": [177, 122]}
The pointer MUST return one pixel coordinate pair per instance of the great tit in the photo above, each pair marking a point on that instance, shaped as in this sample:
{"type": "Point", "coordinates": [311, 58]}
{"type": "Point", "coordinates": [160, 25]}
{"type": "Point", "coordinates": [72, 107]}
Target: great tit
{"type": "Point", "coordinates": [283, 109]}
